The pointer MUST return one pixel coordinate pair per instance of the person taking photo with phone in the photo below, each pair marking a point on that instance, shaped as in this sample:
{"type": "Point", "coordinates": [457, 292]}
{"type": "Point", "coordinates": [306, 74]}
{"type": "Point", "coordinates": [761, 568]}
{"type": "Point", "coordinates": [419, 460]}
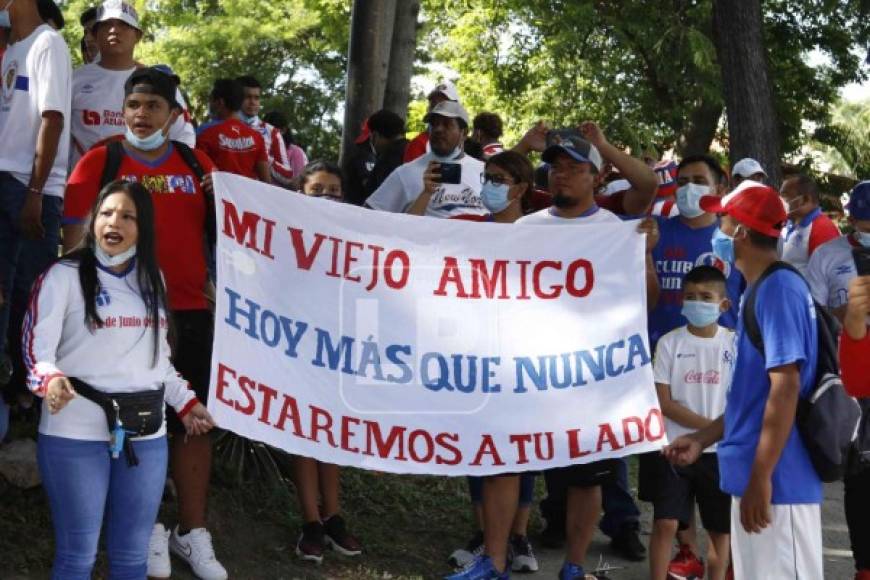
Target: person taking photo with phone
{"type": "Point", "coordinates": [443, 183]}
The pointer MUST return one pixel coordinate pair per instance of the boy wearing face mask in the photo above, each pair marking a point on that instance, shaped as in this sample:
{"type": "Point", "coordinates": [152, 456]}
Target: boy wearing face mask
{"type": "Point", "coordinates": [692, 372]}
{"type": "Point", "coordinates": [807, 227]}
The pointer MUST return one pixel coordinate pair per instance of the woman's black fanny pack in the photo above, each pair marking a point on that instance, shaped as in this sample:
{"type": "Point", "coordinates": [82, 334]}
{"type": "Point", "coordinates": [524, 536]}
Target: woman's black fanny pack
{"type": "Point", "coordinates": [127, 415]}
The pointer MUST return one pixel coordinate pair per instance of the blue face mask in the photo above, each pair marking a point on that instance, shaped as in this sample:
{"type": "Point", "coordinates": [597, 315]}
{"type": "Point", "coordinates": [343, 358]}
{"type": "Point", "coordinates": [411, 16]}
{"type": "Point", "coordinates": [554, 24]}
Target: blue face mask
{"type": "Point", "coordinates": [723, 246]}
{"type": "Point", "coordinates": [689, 198]}
{"type": "Point", "coordinates": [700, 314]}
{"type": "Point", "coordinates": [5, 20]}
{"type": "Point", "coordinates": [495, 196]}
{"type": "Point", "coordinates": [863, 238]}
{"type": "Point", "coordinates": [149, 143]}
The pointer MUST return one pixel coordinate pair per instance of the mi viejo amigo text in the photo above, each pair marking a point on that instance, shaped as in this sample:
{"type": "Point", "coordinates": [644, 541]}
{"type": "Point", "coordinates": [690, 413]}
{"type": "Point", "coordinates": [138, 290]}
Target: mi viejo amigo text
{"type": "Point", "coordinates": [453, 374]}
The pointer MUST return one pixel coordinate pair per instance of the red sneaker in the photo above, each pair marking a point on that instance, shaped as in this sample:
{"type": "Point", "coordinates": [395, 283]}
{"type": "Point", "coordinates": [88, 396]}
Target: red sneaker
{"type": "Point", "coordinates": [686, 565]}
{"type": "Point", "coordinates": [863, 574]}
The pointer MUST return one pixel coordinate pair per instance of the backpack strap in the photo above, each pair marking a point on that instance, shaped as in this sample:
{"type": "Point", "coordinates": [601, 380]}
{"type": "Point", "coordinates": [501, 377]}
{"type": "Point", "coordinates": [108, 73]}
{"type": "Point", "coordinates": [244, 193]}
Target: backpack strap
{"type": "Point", "coordinates": [190, 159]}
{"type": "Point", "coordinates": [114, 155]}
{"type": "Point", "coordinates": [750, 322]}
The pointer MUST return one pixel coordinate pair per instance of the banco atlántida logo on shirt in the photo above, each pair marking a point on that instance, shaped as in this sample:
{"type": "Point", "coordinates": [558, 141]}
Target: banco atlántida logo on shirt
{"type": "Point", "coordinates": [165, 184]}
{"type": "Point", "coordinates": [108, 118]}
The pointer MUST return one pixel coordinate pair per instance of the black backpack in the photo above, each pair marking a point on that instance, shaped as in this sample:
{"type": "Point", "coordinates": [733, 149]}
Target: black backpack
{"type": "Point", "coordinates": [115, 155]}
{"type": "Point", "coordinates": [827, 419]}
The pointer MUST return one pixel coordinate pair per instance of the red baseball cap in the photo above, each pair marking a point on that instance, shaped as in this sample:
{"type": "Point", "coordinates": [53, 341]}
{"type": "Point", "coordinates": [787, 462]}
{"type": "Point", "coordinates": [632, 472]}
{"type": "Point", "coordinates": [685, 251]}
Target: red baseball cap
{"type": "Point", "coordinates": [753, 204]}
{"type": "Point", "coordinates": [364, 134]}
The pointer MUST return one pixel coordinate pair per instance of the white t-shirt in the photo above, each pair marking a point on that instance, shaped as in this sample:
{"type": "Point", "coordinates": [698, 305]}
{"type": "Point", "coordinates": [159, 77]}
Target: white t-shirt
{"type": "Point", "coordinates": [115, 358]}
{"type": "Point", "coordinates": [547, 216]}
{"type": "Point", "coordinates": [404, 185]}
{"type": "Point", "coordinates": [698, 371]}
{"type": "Point", "coordinates": [830, 269]}
{"type": "Point", "coordinates": [98, 109]}
{"type": "Point", "coordinates": [35, 78]}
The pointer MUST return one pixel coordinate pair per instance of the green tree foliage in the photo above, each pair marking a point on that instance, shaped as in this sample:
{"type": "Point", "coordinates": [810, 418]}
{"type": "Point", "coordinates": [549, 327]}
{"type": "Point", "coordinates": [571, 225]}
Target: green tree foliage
{"type": "Point", "coordinates": [646, 69]}
{"type": "Point", "coordinates": [845, 141]}
{"type": "Point", "coordinates": [296, 48]}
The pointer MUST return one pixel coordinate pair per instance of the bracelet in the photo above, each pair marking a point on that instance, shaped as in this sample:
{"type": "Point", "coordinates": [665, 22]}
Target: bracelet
{"type": "Point", "coordinates": [34, 190]}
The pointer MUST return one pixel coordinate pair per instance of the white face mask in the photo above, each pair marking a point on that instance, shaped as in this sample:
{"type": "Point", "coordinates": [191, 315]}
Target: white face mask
{"type": "Point", "coordinates": [108, 261]}
{"type": "Point", "coordinates": [689, 199]}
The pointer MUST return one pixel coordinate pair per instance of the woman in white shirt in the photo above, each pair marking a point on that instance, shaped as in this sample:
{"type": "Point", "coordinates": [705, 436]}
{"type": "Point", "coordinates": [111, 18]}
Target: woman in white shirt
{"type": "Point", "coordinates": [96, 347]}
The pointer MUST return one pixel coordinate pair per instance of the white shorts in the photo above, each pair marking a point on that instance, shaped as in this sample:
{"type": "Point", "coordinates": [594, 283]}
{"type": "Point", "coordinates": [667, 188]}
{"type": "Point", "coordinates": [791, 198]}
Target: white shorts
{"type": "Point", "coordinates": [790, 548]}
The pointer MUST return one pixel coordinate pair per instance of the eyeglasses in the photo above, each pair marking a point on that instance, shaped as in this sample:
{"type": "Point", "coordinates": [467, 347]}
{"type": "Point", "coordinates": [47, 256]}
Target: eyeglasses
{"type": "Point", "coordinates": [496, 179]}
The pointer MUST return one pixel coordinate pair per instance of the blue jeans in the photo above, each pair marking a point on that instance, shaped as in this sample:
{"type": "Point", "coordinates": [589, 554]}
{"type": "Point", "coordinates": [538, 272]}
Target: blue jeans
{"type": "Point", "coordinates": [84, 485]}
{"type": "Point", "coordinates": [22, 260]}
{"type": "Point", "coordinates": [527, 489]}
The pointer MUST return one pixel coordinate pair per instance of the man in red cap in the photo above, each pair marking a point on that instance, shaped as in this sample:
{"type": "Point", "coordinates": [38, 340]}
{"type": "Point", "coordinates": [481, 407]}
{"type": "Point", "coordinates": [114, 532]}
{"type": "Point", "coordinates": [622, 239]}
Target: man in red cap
{"type": "Point", "coordinates": [764, 465]}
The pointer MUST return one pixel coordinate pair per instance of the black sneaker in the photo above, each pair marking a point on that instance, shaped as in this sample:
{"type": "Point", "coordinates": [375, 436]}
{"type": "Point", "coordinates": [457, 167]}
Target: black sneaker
{"type": "Point", "coordinates": [464, 556]}
{"type": "Point", "coordinates": [339, 539]}
{"type": "Point", "coordinates": [627, 543]}
{"type": "Point", "coordinates": [522, 556]}
{"type": "Point", "coordinates": [311, 543]}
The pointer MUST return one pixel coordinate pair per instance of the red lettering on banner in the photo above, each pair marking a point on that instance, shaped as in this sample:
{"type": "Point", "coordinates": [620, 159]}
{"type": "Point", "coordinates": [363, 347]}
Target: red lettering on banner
{"type": "Point", "coordinates": [487, 447]}
{"type": "Point", "coordinates": [446, 440]}
{"type": "Point", "coordinates": [290, 410]}
{"type": "Point", "coordinates": [321, 421]}
{"type": "Point", "coordinates": [481, 277]}
{"type": "Point", "coordinates": [247, 231]}
{"type": "Point", "coordinates": [654, 415]}
{"type": "Point", "coordinates": [349, 260]}
{"type": "Point", "coordinates": [606, 435]}
{"type": "Point", "coordinates": [246, 384]}
{"type": "Point", "coordinates": [626, 430]}
{"type": "Point", "coordinates": [520, 441]}
{"type": "Point", "coordinates": [384, 447]}
{"type": "Point", "coordinates": [450, 275]}
{"type": "Point", "coordinates": [574, 450]}
{"type": "Point", "coordinates": [222, 383]}
{"type": "Point", "coordinates": [269, 395]}
{"type": "Point", "coordinates": [347, 434]}
{"type": "Point", "coordinates": [429, 444]}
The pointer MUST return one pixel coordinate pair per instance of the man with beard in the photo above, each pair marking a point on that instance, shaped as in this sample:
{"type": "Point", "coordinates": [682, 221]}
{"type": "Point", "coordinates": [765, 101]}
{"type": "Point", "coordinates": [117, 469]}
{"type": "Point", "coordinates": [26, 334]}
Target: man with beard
{"type": "Point", "coordinates": [574, 171]}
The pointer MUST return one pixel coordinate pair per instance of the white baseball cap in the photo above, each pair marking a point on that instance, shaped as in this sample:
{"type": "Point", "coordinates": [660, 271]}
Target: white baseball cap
{"type": "Point", "coordinates": [748, 167]}
{"type": "Point", "coordinates": [118, 10]}
{"type": "Point", "coordinates": [447, 89]}
{"type": "Point", "coordinates": [450, 109]}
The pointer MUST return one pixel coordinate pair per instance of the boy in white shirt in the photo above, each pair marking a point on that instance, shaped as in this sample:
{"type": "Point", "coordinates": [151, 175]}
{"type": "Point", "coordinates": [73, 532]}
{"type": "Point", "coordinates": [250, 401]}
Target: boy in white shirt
{"type": "Point", "coordinates": [692, 372]}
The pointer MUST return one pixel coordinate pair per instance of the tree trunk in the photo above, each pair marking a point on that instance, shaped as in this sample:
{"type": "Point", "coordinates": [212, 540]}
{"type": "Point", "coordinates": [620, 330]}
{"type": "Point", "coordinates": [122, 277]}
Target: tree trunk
{"type": "Point", "coordinates": [371, 33]}
{"type": "Point", "coordinates": [753, 129]}
{"type": "Point", "coordinates": [700, 130]}
{"type": "Point", "coordinates": [402, 53]}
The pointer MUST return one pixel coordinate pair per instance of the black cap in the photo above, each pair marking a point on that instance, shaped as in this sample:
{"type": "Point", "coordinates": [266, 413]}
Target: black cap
{"type": "Point", "coordinates": [50, 12]}
{"type": "Point", "coordinates": [153, 81]}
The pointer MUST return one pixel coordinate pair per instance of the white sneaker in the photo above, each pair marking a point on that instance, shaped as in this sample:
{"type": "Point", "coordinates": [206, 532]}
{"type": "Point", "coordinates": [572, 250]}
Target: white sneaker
{"type": "Point", "coordinates": [158, 553]}
{"type": "Point", "coordinates": [196, 549]}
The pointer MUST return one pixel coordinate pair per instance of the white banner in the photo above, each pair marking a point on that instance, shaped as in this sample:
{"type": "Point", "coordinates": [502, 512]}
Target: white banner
{"type": "Point", "coordinates": [418, 345]}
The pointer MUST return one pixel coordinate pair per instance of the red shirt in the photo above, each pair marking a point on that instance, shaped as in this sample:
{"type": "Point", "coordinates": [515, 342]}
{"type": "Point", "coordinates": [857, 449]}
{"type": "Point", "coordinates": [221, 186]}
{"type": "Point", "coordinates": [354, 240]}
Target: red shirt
{"type": "Point", "coordinates": [855, 364]}
{"type": "Point", "coordinates": [180, 214]}
{"type": "Point", "coordinates": [824, 230]}
{"type": "Point", "coordinates": [233, 146]}
{"type": "Point", "coordinates": [416, 147]}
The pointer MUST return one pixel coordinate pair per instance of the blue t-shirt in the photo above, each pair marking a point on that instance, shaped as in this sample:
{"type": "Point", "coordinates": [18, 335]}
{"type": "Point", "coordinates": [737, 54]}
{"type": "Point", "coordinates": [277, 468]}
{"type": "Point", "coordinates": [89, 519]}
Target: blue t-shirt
{"type": "Point", "coordinates": [680, 249]}
{"type": "Point", "coordinates": [787, 320]}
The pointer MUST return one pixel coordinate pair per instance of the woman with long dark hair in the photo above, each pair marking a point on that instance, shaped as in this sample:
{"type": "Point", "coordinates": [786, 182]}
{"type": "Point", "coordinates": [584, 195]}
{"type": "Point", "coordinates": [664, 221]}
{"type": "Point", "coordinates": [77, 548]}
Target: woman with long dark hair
{"type": "Point", "coordinates": [96, 347]}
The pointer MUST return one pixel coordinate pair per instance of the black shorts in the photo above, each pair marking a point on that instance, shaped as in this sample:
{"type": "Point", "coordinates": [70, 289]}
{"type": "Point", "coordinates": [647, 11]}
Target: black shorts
{"type": "Point", "coordinates": [194, 331]}
{"type": "Point", "coordinates": [678, 488]}
{"type": "Point", "coordinates": [586, 474]}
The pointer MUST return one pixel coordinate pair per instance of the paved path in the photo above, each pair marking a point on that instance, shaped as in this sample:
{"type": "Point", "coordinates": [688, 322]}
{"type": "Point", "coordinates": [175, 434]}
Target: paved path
{"type": "Point", "coordinates": [838, 556]}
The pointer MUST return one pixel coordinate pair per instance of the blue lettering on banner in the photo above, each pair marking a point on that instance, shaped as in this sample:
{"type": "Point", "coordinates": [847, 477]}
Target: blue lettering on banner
{"type": "Point", "coordinates": [452, 372]}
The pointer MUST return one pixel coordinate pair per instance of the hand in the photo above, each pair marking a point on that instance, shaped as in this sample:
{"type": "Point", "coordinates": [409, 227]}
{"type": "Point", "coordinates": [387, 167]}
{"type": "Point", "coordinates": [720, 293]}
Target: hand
{"type": "Point", "coordinates": [58, 394]}
{"type": "Point", "coordinates": [593, 133]}
{"type": "Point", "coordinates": [198, 420]}
{"type": "Point", "coordinates": [207, 184]}
{"type": "Point", "coordinates": [650, 227]}
{"type": "Point", "coordinates": [431, 177]}
{"type": "Point", "coordinates": [683, 450]}
{"type": "Point", "coordinates": [30, 220]}
{"type": "Point", "coordinates": [755, 504]}
{"type": "Point", "coordinates": [858, 308]}
{"type": "Point", "coordinates": [535, 138]}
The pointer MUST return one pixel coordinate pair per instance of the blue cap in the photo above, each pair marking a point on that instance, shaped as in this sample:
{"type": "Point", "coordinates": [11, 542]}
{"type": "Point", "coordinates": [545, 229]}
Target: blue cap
{"type": "Point", "coordinates": [571, 143]}
{"type": "Point", "coordinates": [859, 201]}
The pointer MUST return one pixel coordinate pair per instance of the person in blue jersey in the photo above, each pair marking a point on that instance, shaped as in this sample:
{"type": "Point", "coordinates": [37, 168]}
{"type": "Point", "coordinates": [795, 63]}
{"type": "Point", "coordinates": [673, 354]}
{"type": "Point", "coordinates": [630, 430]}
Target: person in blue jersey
{"type": "Point", "coordinates": [763, 463]}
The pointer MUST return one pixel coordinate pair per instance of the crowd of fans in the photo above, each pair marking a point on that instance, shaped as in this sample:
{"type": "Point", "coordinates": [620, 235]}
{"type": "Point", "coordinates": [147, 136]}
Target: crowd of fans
{"type": "Point", "coordinates": [107, 162]}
